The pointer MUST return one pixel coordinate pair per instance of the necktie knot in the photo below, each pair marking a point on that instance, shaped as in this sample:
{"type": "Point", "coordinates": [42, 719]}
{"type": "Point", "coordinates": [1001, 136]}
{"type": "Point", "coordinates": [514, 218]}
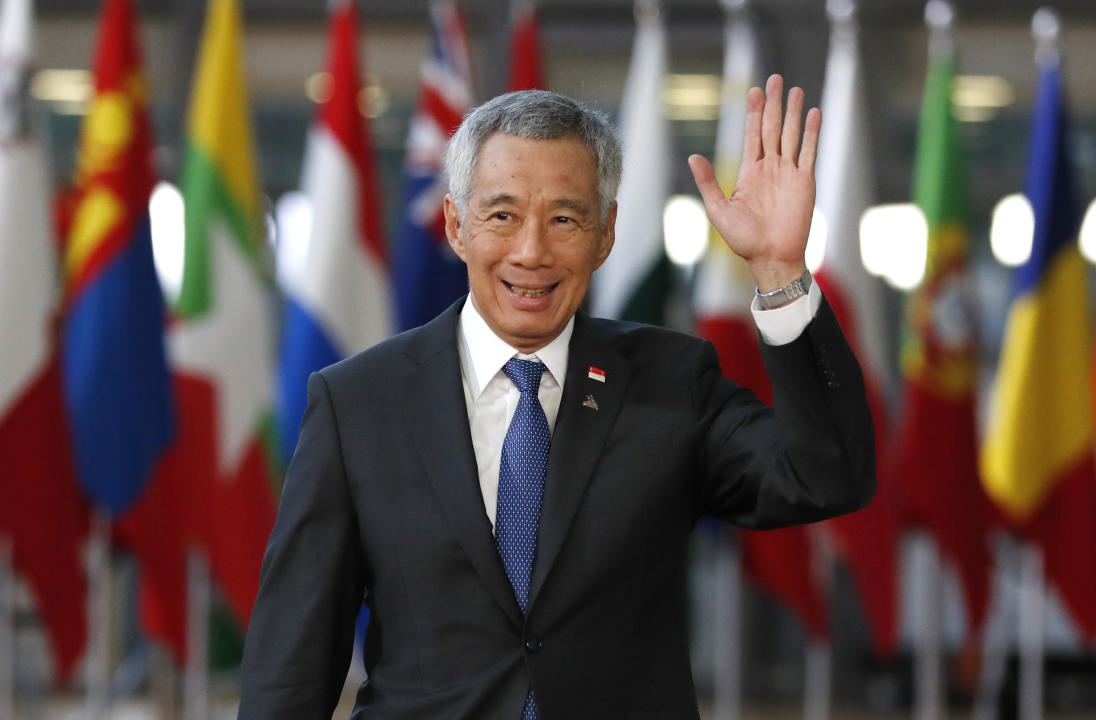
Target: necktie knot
{"type": "Point", "coordinates": [525, 374]}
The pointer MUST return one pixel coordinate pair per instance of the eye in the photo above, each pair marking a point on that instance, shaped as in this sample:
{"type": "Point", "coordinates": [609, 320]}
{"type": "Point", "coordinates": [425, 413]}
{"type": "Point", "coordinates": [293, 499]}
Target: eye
{"type": "Point", "coordinates": [502, 215]}
{"type": "Point", "coordinates": [563, 220]}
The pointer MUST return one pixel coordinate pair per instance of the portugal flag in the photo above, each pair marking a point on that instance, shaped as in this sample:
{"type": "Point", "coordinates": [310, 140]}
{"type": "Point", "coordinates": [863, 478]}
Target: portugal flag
{"type": "Point", "coordinates": [937, 456]}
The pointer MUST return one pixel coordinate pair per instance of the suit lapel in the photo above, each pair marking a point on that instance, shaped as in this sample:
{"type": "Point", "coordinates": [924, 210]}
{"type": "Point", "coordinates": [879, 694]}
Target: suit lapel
{"type": "Point", "coordinates": [436, 413]}
{"type": "Point", "coordinates": [579, 435]}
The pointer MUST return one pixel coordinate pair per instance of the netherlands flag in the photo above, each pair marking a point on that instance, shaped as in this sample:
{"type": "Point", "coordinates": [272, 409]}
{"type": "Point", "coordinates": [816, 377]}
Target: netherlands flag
{"type": "Point", "coordinates": [333, 267]}
{"type": "Point", "coordinates": [428, 275]}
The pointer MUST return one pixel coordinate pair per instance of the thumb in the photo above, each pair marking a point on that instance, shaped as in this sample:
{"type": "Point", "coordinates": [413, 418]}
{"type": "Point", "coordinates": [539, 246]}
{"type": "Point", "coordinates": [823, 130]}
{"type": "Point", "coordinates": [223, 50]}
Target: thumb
{"type": "Point", "coordinates": [704, 176]}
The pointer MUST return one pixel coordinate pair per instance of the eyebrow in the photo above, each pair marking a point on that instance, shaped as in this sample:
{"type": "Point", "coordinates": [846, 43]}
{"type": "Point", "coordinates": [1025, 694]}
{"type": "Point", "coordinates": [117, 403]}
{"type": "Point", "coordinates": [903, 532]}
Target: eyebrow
{"type": "Point", "coordinates": [497, 199]}
{"type": "Point", "coordinates": [571, 204]}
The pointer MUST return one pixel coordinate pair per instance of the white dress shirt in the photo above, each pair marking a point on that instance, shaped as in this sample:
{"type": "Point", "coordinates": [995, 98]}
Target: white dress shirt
{"type": "Point", "coordinates": [491, 398]}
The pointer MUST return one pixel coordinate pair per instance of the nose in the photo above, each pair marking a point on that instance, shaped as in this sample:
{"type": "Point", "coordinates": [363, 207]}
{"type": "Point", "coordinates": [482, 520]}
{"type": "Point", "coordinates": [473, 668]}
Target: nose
{"type": "Point", "coordinates": [531, 248]}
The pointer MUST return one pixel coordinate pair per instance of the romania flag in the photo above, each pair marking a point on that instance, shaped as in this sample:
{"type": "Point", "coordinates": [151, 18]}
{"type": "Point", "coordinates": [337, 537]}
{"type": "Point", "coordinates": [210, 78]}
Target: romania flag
{"type": "Point", "coordinates": [1037, 456]}
{"type": "Point", "coordinates": [117, 388]}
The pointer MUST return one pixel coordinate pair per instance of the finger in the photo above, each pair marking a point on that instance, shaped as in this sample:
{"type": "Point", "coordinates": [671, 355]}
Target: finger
{"type": "Point", "coordinates": [809, 151]}
{"type": "Point", "coordinates": [706, 183]}
{"type": "Point", "coordinates": [789, 139]}
{"type": "Point", "coordinates": [751, 144]}
{"type": "Point", "coordinates": [771, 116]}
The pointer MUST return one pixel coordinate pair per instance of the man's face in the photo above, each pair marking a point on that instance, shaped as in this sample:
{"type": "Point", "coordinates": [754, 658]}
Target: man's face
{"type": "Point", "coordinates": [531, 236]}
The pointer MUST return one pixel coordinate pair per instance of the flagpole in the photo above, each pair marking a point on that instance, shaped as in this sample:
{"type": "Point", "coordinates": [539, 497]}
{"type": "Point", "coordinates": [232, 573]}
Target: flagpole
{"type": "Point", "coordinates": [198, 601]}
{"type": "Point", "coordinates": [1031, 637]}
{"type": "Point", "coordinates": [818, 661]}
{"type": "Point", "coordinates": [7, 630]}
{"type": "Point", "coordinates": [727, 622]}
{"type": "Point", "coordinates": [1045, 29]}
{"type": "Point", "coordinates": [997, 634]}
{"type": "Point", "coordinates": [98, 610]}
{"type": "Point", "coordinates": [816, 681]}
{"type": "Point", "coordinates": [928, 699]}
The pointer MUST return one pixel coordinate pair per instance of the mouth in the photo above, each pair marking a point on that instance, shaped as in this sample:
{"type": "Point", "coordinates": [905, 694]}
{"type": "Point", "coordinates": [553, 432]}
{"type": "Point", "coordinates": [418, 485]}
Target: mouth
{"type": "Point", "coordinates": [530, 292]}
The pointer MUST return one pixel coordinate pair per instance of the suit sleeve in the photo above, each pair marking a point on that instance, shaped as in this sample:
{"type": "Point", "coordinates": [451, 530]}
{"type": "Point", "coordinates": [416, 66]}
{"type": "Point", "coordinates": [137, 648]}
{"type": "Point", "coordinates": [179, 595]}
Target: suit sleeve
{"type": "Point", "coordinates": [810, 457]}
{"type": "Point", "coordinates": [301, 634]}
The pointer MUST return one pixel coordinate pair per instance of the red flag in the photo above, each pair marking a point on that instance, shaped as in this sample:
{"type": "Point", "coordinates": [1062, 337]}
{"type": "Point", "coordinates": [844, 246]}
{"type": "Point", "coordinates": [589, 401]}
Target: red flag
{"type": "Point", "coordinates": [526, 72]}
{"type": "Point", "coordinates": [779, 561]}
{"type": "Point", "coordinates": [866, 540]}
{"type": "Point", "coordinates": [44, 514]}
{"type": "Point", "coordinates": [42, 511]}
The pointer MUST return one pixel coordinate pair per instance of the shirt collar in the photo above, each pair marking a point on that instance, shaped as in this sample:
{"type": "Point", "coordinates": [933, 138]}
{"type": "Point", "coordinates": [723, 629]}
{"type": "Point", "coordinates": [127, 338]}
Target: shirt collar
{"type": "Point", "coordinates": [483, 353]}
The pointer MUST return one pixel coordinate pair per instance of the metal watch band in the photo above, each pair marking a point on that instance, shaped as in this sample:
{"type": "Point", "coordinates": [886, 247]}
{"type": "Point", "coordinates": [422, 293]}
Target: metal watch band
{"type": "Point", "coordinates": [784, 295]}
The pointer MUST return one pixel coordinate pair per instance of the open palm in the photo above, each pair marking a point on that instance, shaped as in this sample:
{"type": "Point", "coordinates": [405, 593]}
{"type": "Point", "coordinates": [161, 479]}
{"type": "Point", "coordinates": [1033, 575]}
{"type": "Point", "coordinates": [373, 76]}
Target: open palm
{"type": "Point", "coordinates": [767, 218]}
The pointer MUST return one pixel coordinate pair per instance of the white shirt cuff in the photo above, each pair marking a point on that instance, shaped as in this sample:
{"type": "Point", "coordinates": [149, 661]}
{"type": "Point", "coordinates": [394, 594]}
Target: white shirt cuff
{"type": "Point", "coordinates": [781, 325]}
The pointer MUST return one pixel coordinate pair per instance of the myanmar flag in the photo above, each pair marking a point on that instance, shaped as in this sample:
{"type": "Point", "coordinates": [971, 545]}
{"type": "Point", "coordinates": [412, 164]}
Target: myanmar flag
{"type": "Point", "coordinates": [214, 488]}
{"type": "Point", "coordinates": [937, 454]}
{"type": "Point", "coordinates": [1037, 455]}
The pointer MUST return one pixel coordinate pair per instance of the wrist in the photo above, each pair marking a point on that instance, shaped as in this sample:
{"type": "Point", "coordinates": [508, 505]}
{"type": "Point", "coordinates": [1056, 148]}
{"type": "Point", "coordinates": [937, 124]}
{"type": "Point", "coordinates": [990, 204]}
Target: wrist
{"type": "Point", "coordinates": [773, 275]}
{"type": "Point", "coordinates": [785, 294]}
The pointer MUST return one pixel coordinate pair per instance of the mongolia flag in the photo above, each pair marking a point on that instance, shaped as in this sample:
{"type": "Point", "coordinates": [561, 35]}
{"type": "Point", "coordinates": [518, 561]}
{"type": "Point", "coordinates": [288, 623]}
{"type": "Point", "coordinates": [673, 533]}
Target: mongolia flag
{"type": "Point", "coordinates": [937, 455]}
{"type": "Point", "coordinates": [117, 387]}
{"type": "Point", "coordinates": [335, 279]}
{"type": "Point", "coordinates": [634, 281]}
{"type": "Point", "coordinates": [43, 514]}
{"type": "Point", "coordinates": [867, 539]}
{"type": "Point", "coordinates": [526, 70]}
{"type": "Point", "coordinates": [427, 274]}
{"type": "Point", "coordinates": [778, 560]}
{"type": "Point", "coordinates": [1037, 453]}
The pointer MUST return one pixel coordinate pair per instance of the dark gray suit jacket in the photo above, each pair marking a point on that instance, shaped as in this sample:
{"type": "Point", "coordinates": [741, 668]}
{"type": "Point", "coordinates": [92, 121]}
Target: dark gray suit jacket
{"type": "Point", "coordinates": [382, 498]}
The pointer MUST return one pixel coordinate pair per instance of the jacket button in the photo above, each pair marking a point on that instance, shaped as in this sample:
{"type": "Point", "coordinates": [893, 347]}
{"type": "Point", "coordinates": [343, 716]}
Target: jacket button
{"type": "Point", "coordinates": [533, 644]}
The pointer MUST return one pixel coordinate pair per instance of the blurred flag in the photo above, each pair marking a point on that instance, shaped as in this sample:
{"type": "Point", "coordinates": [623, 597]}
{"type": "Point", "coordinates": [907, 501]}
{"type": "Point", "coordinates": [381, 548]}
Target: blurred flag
{"type": "Point", "coordinates": [427, 274]}
{"type": "Point", "coordinates": [936, 456]}
{"type": "Point", "coordinates": [1037, 454]}
{"type": "Point", "coordinates": [866, 539]}
{"type": "Point", "coordinates": [42, 512]}
{"type": "Point", "coordinates": [117, 386]}
{"type": "Point", "coordinates": [214, 487]}
{"type": "Point", "coordinates": [336, 277]}
{"type": "Point", "coordinates": [224, 331]}
{"type": "Point", "coordinates": [635, 280]}
{"type": "Point", "coordinates": [526, 70]}
{"type": "Point", "coordinates": [778, 560]}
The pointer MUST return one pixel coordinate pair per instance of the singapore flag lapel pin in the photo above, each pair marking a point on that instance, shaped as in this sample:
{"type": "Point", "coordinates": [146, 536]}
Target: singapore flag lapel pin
{"type": "Point", "coordinates": [596, 373]}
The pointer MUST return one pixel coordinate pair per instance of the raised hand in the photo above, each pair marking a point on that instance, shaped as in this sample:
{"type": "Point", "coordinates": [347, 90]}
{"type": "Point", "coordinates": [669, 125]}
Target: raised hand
{"type": "Point", "coordinates": [767, 218]}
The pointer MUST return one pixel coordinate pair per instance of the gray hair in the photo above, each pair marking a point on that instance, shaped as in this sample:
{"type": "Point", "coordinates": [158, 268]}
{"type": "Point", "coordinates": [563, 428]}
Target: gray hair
{"type": "Point", "coordinates": [534, 115]}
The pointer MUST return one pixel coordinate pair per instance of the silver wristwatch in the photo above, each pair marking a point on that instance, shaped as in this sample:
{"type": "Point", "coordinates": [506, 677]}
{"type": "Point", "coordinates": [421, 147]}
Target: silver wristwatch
{"type": "Point", "coordinates": [784, 295]}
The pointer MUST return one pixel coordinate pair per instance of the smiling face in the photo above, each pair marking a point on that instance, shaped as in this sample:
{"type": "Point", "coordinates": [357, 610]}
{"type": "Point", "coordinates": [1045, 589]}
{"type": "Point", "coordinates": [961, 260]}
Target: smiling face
{"type": "Point", "coordinates": [531, 236]}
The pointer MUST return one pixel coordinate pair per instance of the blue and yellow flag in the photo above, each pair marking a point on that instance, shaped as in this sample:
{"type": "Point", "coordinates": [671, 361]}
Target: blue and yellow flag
{"type": "Point", "coordinates": [1041, 425]}
{"type": "Point", "coordinates": [1037, 457]}
{"type": "Point", "coordinates": [117, 388]}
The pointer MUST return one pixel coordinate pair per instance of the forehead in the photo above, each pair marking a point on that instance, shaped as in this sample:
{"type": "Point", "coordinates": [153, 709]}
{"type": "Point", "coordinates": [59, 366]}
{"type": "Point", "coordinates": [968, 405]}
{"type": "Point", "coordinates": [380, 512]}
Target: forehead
{"type": "Point", "coordinates": [559, 164]}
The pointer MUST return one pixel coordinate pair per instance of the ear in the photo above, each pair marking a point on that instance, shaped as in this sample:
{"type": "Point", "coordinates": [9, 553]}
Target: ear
{"type": "Point", "coordinates": [608, 236]}
{"type": "Point", "coordinates": [453, 225]}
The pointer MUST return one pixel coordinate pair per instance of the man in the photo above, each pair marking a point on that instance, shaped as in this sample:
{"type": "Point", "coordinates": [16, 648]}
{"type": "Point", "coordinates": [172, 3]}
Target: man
{"type": "Point", "coordinates": [511, 487]}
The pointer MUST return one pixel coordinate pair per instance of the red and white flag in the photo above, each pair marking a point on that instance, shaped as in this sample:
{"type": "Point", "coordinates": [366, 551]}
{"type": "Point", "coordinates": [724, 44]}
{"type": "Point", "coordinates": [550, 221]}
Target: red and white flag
{"type": "Point", "coordinates": [42, 511]}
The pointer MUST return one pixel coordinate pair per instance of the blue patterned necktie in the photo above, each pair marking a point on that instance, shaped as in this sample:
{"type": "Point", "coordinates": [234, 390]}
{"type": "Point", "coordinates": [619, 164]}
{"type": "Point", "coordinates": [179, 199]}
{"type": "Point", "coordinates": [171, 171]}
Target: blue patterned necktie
{"type": "Point", "coordinates": [521, 487]}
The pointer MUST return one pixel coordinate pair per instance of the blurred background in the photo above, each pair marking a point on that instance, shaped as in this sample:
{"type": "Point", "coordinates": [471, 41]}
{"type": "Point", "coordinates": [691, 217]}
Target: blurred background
{"type": "Point", "coordinates": [200, 203]}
